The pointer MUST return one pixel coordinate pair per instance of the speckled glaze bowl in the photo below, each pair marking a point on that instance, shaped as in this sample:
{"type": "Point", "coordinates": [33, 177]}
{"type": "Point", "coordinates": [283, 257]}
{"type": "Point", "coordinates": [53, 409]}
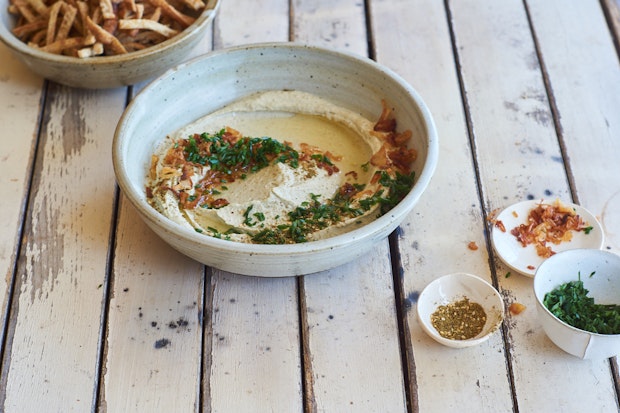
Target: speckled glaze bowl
{"type": "Point", "coordinates": [454, 287]}
{"type": "Point", "coordinates": [603, 286]}
{"type": "Point", "coordinates": [108, 71]}
{"type": "Point", "coordinates": [207, 83]}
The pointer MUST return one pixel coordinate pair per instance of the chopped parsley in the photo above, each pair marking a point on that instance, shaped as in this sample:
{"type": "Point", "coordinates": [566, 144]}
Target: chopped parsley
{"type": "Point", "coordinates": [245, 154]}
{"type": "Point", "coordinates": [570, 303]}
{"type": "Point", "coordinates": [314, 215]}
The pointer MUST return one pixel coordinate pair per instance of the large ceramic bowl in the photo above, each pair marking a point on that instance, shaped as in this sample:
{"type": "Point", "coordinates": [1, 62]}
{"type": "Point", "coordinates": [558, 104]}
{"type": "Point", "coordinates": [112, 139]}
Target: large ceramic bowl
{"type": "Point", "coordinates": [108, 71]}
{"type": "Point", "coordinates": [205, 84]}
{"type": "Point", "coordinates": [600, 273]}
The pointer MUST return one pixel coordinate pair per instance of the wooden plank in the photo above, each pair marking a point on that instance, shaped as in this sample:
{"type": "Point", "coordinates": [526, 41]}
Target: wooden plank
{"type": "Point", "coordinates": [159, 328]}
{"type": "Point", "coordinates": [255, 356]}
{"type": "Point", "coordinates": [585, 78]}
{"type": "Point", "coordinates": [154, 337]}
{"type": "Point", "coordinates": [19, 115]}
{"type": "Point", "coordinates": [255, 363]}
{"type": "Point", "coordinates": [349, 311]}
{"type": "Point", "coordinates": [434, 240]}
{"type": "Point", "coordinates": [336, 24]}
{"type": "Point", "coordinates": [251, 22]}
{"type": "Point", "coordinates": [513, 129]}
{"type": "Point", "coordinates": [56, 312]}
{"type": "Point", "coordinates": [353, 348]}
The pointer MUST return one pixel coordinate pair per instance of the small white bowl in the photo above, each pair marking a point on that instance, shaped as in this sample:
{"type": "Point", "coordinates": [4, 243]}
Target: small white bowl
{"type": "Point", "coordinates": [603, 286]}
{"type": "Point", "coordinates": [208, 83]}
{"type": "Point", "coordinates": [108, 71]}
{"type": "Point", "coordinates": [455, 287]}
{"type": "Point", "coordinates": [525, 260]}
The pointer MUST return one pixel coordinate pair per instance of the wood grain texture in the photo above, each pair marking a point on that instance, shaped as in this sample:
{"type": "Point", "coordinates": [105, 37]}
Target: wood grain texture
{"type": "Point", "coordinates": [256, 364]}
{"type": "Point", "coordinates": [255, 358]}
{"type": "Point", "coordinates": [434, 240]}
{"type": "Point", "coordinates": [155, 318]}
{"type": "Point", "coordinates": [59, 300]}
{"type": "Point", "coordinates": [157, 329]}
{"type": "Point", "coordinates": [584, 77]}
{"type": "Point", "coordinates": [520, 157]}
{"type": "Point", "coordinates": [19, 115]}
{"type": "Point", "coordinates": [350, 311]}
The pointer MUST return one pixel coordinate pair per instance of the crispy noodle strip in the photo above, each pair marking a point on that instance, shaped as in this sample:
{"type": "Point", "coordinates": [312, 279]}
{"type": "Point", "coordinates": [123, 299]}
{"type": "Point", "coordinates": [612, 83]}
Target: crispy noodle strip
{"type": "Point", "coordinates": [68, 43]}
{"type": "Point", "coordinates": [39, 7]}
{"type": "Point", "coordinates": [95, 50]}
{"type": "Point", "coordinates": [22, 8]}
{"type": "Point", "coordinates": [107, 10]}
{"type": "Point", "coordinates": [148, 25]}
{"type": "Point", "coordinates": [172, 12]}
{"type": "Point", "coordinates": [29, 28]}
{"type": "Point", "coordinates": [105, 37]}
{"type": "Point", "coordinates": [195, 4]}
{"type": "Point", "coordinates": [67, 21]}
{"type": "Point", "coordinates": [51, 23]}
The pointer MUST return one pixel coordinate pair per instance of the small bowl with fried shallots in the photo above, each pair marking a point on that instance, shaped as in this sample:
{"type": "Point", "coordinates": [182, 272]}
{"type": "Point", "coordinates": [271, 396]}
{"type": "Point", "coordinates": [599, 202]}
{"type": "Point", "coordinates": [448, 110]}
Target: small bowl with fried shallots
{"type": "Point", "coordinates": [578, 302]}
{"type": "Point", "coordinates": [103, 44]}
{"type": "Point", "coordinates": [525, 234]}
{"type": "Point", "coordinates": [460, 310]}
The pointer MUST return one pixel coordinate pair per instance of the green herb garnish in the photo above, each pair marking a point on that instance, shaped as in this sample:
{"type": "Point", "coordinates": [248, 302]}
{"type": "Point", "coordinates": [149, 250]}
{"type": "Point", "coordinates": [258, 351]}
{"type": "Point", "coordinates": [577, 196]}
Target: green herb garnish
{"type": "Point", "coordinates": [248, 154]}
{"type": "Point", "coordinates": [314, 215]}
{"type": "Point", "coordinates": [570, 303]}
{"type": "Point", "coordinates": [398, 187]}
{"type": "Point", "coordinates": [248, 219]}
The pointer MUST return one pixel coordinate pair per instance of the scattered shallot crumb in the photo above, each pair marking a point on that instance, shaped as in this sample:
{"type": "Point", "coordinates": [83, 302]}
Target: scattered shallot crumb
{"type": "Point", "coordinates": [516, 308]}
{"type": "Point", "coordinates": [472, 246]}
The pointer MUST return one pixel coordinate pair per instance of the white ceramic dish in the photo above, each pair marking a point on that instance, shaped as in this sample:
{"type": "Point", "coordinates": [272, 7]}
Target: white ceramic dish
{"type": "Point", "coordinates": [108, 71]}
{"type": "Point", "coordinates": [603, 286]}
{"type": "Point", "coordinates": [205, 84]}
{"type": "Point", "coordinates": [525, 260]}
{"type": "Point", "coordinates": [454, 287]}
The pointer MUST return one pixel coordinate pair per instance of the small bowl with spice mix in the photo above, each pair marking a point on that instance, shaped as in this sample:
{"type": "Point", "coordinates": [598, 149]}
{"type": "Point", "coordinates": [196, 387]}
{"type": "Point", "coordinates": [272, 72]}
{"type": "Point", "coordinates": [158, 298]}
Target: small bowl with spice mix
{"type": "Point", "coordinates": [103, 44]}
{"type": "Point", "coordinates": [275, 159]}
{"type": "Point", "coordinates": [460, 310]}
{"type": "Point", "coordinates": [578, 302]}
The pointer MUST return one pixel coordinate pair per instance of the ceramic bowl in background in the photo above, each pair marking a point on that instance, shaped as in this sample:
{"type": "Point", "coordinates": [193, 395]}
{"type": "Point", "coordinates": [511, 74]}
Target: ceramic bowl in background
{"type": "Point", "coordinates": [108, 71]}
{"type": "Point", "coordinates": [454, 287]}
{"type": "Point", "coordinates": [600, 273]}
{"type": "Point", "coordinates": [207, 83]}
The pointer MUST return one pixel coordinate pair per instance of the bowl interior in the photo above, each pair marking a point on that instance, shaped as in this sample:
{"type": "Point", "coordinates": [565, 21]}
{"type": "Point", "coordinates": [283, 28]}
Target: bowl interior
{"type": "Point", "coordinates": [453, 287]}
{"type": "Point", "coordinates": [600, 273]}
{"type": "Point", "coordinates": [209, 82]}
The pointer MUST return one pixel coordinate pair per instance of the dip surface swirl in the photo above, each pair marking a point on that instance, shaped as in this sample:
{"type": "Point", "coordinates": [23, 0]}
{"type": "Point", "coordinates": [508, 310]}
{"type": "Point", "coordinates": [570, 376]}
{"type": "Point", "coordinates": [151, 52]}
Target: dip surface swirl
{"type": "Point", "coordinates": [280, 167]}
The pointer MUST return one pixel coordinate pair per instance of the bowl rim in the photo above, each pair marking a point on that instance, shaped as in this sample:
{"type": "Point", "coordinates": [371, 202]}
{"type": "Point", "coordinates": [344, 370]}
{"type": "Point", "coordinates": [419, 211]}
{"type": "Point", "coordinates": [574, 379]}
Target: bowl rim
{"type": "Point", "coordinates": [426, 324]}
{"type": "Point", "coordinates": [19, 46]}
{"type": "Point", "coordinates": [371, 230]}
{"type": "Point", "coordinates": [539, 298]}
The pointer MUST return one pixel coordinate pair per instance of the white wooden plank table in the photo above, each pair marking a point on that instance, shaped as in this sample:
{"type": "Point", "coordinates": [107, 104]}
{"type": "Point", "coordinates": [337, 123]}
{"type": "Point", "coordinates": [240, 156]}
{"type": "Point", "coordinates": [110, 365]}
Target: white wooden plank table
{"type": "Point", "coordinates": [100, 315]}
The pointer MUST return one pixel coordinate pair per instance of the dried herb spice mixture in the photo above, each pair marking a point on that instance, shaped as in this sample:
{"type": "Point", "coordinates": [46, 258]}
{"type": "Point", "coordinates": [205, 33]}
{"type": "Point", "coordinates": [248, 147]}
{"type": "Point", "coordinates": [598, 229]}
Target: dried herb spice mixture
{"type": "Point", "coordinates": [459, 320]}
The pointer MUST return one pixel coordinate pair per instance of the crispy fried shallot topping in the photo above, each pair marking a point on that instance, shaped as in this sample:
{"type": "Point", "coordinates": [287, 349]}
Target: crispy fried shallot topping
{"type": "Point", "coordinates": [549, 223]}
